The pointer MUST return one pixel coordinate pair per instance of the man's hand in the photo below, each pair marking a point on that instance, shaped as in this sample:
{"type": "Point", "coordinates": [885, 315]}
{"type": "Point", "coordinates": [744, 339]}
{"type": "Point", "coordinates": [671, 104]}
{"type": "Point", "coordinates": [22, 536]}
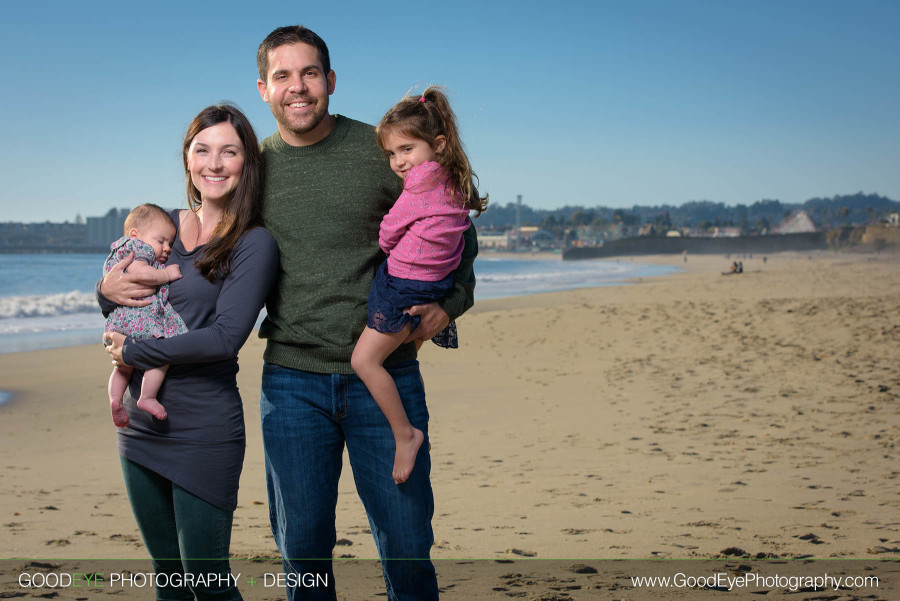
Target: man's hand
{"type": "Point", "coordinates": [433, 321]}
{"type": "Point", "coordinates": [122, 288]}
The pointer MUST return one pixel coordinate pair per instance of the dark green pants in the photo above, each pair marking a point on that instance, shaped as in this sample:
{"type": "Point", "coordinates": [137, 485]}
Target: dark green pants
{"type": "Point", "coordinates": [184, 535]}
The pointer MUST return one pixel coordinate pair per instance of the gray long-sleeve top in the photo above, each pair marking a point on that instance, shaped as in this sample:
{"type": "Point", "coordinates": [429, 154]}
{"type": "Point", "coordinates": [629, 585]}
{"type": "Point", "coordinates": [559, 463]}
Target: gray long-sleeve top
{"type": "Point", "coordinates": [200, 446]}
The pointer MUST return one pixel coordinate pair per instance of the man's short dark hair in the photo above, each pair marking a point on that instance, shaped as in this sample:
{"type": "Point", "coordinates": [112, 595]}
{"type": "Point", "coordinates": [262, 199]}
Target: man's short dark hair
{"type": "Point", "coordinates": [292, 34]}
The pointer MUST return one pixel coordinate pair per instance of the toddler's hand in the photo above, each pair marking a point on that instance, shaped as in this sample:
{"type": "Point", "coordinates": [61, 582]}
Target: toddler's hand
{"type": "Point", "coordinates": [174, 272]}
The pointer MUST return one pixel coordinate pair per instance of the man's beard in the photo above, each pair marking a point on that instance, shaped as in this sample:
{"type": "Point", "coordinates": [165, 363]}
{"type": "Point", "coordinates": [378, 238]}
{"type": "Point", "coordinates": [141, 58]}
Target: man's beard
{"type": "Point", "coordinates": [307, 124]}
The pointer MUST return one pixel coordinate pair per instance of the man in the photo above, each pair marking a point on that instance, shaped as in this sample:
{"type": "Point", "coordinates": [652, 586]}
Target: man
{"type": "Point", "coordinates": [327, 187]}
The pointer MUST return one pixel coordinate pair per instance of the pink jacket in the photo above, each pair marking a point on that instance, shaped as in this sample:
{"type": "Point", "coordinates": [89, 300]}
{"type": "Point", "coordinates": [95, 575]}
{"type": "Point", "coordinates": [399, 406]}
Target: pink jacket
{"type": "Point", "coordinates": [423, 232]}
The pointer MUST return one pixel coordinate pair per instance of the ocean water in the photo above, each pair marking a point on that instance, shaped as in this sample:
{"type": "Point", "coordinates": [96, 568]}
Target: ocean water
{"type": "Point", "coordinates": [500, 278]}
{"type": "Point", "coordinates": [47, 301]}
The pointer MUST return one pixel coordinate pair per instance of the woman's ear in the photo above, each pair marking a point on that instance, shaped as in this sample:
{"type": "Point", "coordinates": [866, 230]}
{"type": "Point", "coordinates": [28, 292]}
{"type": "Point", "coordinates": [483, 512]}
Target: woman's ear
{"type": "Point", "coordinates": [440, 143]}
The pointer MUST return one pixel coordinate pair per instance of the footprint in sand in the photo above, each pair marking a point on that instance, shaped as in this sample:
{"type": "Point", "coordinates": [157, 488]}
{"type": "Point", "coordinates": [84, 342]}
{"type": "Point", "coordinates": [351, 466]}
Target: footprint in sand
{"type": "Point", "coordinates": [521, 552]}
{"type": "Point", "coordinates": [58, 542]}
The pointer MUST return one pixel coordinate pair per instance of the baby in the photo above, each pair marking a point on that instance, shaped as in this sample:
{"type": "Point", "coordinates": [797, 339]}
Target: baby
{"type": "Point", "coordinates": [149, 234]}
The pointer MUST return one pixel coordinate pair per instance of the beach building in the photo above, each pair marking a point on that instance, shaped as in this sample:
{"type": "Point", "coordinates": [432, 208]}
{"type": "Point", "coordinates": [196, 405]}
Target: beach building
{"type": "Point", "coordinates": [542, 239]}
{"type": "Point", "coordinates": [531, 235]}
{"type": "Point", "coordinates": [494, 240]}
{"type": "Point", "coordinates": [586, 235]}
{"type": "Point", "coordinates": [798, 223]}
{"type": "Point", "coordinates": [727, 232]}
{"type": "Point", "coordinates": [613, 231]}
{"type": "Point", "coordinates": [714, 232]}
{"type": "Point", "coordinates": [694, 232]}
{"type": "Point", "coordinates": [648, 229]}
{"type": "Point", "coordinates": [103, 231]}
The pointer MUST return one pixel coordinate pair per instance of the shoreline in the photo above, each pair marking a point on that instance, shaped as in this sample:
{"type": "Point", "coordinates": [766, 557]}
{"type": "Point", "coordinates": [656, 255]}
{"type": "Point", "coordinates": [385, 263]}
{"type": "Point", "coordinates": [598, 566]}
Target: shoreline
{"type": "Point", "coordinates": [75, 332]}
{"type": "Point", "coordinates": [542, 255]}
{"type": "Point", "coordinates": [675, 418]}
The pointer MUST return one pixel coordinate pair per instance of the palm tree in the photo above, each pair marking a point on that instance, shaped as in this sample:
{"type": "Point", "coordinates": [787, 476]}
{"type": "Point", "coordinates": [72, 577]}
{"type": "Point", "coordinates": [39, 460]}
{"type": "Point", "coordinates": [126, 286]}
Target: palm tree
{"type": "Point", "coordinates": [844, 212]}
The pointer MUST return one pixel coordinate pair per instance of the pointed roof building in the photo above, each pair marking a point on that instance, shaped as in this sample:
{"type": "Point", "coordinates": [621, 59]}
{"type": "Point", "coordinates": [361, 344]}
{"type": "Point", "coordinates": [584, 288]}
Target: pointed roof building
{"type": "Point", "coordinates": [798, 223]}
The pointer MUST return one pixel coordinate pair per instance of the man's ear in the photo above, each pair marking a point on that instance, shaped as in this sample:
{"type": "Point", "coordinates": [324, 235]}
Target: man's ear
{"type": "Point", "coordinates": [261, 86]}
{"type": "Point", "coordinates": [332, 79]}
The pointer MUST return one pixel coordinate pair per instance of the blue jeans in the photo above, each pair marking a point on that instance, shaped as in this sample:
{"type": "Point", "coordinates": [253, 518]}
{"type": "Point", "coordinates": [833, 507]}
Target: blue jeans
{"type": "Point", "coordinates": [183, 534]}
{"type": "Point", "coordinates": [306, 419]}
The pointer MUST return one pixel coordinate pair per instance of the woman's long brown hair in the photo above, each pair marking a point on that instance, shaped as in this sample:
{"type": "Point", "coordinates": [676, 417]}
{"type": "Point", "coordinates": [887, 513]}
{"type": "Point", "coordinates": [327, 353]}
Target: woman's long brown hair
{"type": "Point", "coordinates": [242, 211]}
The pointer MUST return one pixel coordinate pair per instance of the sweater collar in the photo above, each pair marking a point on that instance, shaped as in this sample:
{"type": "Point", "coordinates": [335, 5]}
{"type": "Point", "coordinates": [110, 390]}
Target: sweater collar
{"type": "Point", "coordinates": [341, 127]}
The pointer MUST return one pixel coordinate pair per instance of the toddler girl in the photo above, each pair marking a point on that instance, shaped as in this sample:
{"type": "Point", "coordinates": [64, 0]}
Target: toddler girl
{"type": "Point", "coordinates": [149, 234]}
{"type": "Point", "coordinates": [422, 236]}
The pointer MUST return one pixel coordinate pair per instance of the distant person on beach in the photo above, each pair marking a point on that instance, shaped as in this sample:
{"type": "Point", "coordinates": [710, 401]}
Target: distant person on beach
{"type": "Point", "coordinates": [182, 474]}
{"type": "Point", "coordinates": [422, 236]}
{"type": "Point", "coordinates": [327, 188]}
{"type": "Point", "coordinates": [149, 235]}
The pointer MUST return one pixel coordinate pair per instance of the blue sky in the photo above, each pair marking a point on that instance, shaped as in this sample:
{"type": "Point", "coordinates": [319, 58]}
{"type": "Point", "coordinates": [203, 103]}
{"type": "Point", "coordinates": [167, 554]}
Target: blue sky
{"type": "Point", "coordinates": [580, 103]}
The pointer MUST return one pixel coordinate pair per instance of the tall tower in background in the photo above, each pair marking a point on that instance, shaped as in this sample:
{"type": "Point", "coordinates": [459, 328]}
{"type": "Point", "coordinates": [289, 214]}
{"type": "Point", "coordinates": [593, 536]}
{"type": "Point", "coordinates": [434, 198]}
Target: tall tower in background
{"type": "Point", "coordinates": [518, 221]}
{"type": "Point", "coordinates": [103, 231]}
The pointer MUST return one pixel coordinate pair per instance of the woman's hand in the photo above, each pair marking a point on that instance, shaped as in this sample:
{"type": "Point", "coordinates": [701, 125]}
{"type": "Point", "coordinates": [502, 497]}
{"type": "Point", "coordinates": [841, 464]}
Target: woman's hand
{"type": "Point", "coordinates": [123, 288]}
{"type": "Point", "coordinates": [113, 341]}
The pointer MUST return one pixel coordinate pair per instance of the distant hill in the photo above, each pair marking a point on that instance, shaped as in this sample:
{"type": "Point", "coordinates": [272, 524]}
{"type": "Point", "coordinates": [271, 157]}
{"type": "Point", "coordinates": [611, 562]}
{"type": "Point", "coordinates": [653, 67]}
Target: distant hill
{"type": "Point", "coordinates": [825, 212]}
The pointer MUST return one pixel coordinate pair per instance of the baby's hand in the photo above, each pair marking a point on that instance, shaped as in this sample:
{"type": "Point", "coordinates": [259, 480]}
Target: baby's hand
{"type": "Point", "coordinates": [174, 272]}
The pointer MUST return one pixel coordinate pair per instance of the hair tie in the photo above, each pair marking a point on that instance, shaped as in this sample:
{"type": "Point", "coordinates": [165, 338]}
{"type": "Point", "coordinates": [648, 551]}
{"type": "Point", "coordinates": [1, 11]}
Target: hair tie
{"type": "Point", "coordinates": [422, 99]}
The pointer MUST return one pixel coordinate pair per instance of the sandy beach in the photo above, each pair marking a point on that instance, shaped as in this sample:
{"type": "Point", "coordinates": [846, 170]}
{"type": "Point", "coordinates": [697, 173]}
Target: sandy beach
{"type": "Point", "coordinates": [689, 416]}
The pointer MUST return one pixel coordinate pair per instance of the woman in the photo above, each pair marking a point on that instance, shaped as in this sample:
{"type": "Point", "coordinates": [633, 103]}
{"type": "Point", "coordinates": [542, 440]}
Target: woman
{"type": "Point", "coordinates": [182, 473]}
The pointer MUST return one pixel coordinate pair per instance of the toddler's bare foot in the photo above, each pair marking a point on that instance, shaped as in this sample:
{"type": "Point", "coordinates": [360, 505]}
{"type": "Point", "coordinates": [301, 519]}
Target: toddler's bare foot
{"type": "Point", "coordinates": [405, 456]}
{"type": "Point", "coordinates": [152, 406]}
{"type": "Point", "coordinates": [120, 417]}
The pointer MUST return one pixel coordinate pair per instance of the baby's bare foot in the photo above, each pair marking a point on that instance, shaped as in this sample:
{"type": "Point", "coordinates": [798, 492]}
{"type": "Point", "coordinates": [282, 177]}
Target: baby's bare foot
{"type": "Point", "coordinates": [152, 406]}
{"type": "Point", "coordinates": [120, 417]}
{"type": "Point", "coordinates": [405, 456]}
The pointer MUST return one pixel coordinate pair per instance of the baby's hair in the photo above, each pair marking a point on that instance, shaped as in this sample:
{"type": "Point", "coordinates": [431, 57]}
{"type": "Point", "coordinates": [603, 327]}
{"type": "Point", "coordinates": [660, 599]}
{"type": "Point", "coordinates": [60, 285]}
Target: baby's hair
{"type": "Point", "coordinates": [142, 216]}
{"type": "Point", "coordinates": [426, 117]}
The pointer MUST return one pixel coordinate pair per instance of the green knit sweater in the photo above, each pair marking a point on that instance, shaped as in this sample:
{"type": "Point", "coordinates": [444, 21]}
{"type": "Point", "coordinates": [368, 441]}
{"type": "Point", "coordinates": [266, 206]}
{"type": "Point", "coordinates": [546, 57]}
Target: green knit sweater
{"type": "Point", "coordinates": [323, 204]}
